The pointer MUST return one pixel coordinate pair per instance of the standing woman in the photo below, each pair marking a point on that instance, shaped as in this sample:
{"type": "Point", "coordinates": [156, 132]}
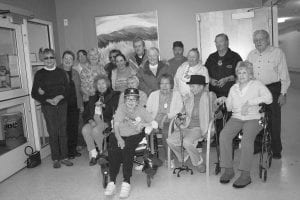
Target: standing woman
{"type": "Point", "coordinates": [192, 67]}
{"type": "Point", "coordinates": [89, 73]}
{"type": "Point", "coordinates": [50, 88]}
{"type": "Point", "coordinates": [120, 75]}
{"type": "Point", "coordinates": [75, 103]}
{"type": "Point", "coordinates": [82, 61]}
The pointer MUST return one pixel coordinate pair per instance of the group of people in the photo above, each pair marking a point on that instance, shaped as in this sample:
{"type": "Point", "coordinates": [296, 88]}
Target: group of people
{"type": "Point", "coordinates": [142, 92]}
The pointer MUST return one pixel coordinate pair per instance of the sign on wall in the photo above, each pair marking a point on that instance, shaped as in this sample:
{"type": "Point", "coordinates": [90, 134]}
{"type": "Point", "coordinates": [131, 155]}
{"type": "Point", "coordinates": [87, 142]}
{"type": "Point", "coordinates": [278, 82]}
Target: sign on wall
{"type": "Point", "coordinates": [118, 32]}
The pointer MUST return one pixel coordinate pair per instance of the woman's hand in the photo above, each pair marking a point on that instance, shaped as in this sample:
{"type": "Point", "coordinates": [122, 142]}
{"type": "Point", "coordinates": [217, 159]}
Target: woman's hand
{"type": "Point", "coordinates": [245, 108]}
{"type": "Point", "coordinates": [121, 143]}
{"type": "Point", "coordinates": [92, 123]}
{"type": "Point", "coordinates": [219, 101]}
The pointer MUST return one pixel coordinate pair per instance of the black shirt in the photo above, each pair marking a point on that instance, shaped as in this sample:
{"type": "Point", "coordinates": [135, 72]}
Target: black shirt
{"type": "Point", "coordinates": [72, 99]}
{"type": "Point", "coordinates": [53, 83]}
{"type": "Point", "coordinates": [220, 67]}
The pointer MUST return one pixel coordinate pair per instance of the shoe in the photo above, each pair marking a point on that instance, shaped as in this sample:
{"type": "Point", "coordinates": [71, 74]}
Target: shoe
{"type": "Point", "coordinates": [201, 168]}
{"type": "Point", "coordinates": [93, 161]}
{"type": "Point", "coordinates": [56, 164]}
{"type": "Point", "coordinates": [77, 154]}
{"type": "Point", "coordinates": [71, 157]}
{"type": "Point", "coordinates": [66, 162]}
{"type": "Point", "coordinates": [110, 189]}
{"type": "Point", "coordinates": [243, 180]}
{"type": "Point", "coordinates": [227, 176]}
{"type": "Point", "coordinates": [276, 156]}
{"type": "Point", "coordinates": [125, 190]}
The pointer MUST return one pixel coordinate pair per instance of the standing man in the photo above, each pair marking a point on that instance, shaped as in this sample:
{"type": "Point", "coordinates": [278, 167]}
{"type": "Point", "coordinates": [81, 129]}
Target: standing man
{"type": "Point", "coordinates": [150, 73]}
{"type": "Point", "coordinates": [139, 58]}
{"type": "Point", "coordinates": [178, 58]}
{"type": "Point", "coordinates": [112, 62]}
{"type": "Point", "coordinates": [221, 66]}
{"type": "Point", "coordinates": [270, 67]}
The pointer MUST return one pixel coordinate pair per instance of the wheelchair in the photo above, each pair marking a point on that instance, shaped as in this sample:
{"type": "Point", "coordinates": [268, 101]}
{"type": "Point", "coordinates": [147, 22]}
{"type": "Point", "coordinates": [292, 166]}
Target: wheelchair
{"type": "Point", "coordinates": [147, 149]}
{"type": "Point", "coordinates": [262, 142]}
{"type": "Point", "coordinates": [265, 157]}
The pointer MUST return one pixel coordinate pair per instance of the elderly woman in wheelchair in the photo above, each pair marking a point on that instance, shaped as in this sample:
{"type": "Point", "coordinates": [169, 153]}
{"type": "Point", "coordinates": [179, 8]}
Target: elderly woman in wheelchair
{"type": "Point", "coordinates": [164, 104]}
{"type": "Point", "coordinates": [243, 100]}
{"type": "Point", "coordinates": [194, 123]}
{"type": "Point", "coordinates": [129, 120]}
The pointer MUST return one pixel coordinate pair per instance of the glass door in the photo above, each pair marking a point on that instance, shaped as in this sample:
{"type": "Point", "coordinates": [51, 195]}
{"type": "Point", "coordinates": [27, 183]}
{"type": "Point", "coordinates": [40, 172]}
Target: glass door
{"type": "Point", "coordinates": [15, 134]}
{"type": "Point", "coordinates": [13, 81]}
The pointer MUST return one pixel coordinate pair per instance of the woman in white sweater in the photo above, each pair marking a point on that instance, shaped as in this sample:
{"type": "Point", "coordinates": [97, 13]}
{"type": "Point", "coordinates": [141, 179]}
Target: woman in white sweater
{"type": "Point", "coordinates": [243, 100]}
{"type": "Point", "coordinates": [164, 104]}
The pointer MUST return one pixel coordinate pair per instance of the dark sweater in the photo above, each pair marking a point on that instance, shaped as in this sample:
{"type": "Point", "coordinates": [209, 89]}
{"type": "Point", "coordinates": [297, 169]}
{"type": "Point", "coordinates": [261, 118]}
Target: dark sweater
{"type": "Point", "coordinates": [53, 83]}
{"type": "Point", "coordinates": [111, 101]}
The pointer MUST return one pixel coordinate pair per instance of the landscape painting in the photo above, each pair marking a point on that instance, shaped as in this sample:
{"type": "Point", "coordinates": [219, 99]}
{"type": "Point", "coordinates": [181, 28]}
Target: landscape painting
{"type": "Point", "coordinates": [118, 32]}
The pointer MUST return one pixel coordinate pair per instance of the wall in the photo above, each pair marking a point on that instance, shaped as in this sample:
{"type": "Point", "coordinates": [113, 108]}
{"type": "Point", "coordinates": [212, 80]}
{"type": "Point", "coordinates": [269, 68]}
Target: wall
{"type": "Point", "coordinates": [41, 9]}
{"type": "Point", "coordinates": [176, 19]}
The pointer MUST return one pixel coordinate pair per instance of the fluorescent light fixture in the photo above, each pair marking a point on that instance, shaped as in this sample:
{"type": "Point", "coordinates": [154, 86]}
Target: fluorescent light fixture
{"type": "Point", "coordinates": [282, 19]}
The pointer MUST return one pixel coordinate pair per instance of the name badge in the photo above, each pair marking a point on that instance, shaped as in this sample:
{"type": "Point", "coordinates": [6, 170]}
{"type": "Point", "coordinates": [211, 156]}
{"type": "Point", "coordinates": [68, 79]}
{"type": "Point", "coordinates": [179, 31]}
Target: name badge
{"type": "Point", "coordinates": [165, 105]}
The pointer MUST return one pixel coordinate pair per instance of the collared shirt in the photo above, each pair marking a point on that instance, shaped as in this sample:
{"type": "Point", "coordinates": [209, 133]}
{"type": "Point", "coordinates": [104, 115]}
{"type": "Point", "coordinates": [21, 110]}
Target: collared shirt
{"type": "Point", "coordinates": [270, 67]}
{"type": "Point", "coordinates": [220, 67]}
{"type": "Point", "coordinates": [153, 68]}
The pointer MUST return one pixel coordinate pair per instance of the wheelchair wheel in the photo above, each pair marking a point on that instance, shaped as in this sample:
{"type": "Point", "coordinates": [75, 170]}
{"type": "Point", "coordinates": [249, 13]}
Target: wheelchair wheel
{"type": "Point", "coordinates": [148, 180]}
{"type": "Point", "coordinates": [105, 180]}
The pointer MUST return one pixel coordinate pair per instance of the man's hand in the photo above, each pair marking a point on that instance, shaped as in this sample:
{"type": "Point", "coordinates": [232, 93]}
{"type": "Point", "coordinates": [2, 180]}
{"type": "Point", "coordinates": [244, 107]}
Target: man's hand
{"type": "Point", "coordinates": [222, 82]}
{"type": "Point", "coordinates": [121, 143]}
{"type": "Point", "coordinates": [213, 82]}
{"type": "Point", "coordinates": [245, 108]}
{"type": "Point", "coordinates": [92, 123]}
{"type": "Point", "coordinates": [282, 99]}
{"type": "Point", "coordinates": [40, 91]}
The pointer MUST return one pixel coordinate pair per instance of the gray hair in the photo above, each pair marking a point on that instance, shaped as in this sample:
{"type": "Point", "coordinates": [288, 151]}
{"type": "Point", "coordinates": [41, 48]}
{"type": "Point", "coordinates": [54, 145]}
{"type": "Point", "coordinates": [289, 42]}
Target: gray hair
{"type": "Point", "coordinates": [264, 33]}
{"type": "Point", "coordinates": [223, 35]}
{"type": "Point", "coordinates": [248, 66]}
{"type": "Point", "coordinates": [154, 49]}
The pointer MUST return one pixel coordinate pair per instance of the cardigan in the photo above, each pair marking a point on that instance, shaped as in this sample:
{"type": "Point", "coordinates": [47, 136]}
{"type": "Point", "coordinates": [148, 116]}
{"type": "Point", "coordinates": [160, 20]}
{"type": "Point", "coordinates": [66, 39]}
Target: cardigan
{"type": "Point", "coordinates": [255, 93]}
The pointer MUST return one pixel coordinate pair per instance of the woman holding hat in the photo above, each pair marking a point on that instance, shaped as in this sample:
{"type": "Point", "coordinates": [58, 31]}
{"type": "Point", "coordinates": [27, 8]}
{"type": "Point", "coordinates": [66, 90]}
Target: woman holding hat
{"type": "Point", "coordinates": [129, 120]}
{"type": "Point", "coordinates": [198, 112]}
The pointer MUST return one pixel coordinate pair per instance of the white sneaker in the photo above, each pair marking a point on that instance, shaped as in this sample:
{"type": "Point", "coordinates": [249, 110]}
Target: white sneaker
{"type": "Point", "coordinates": [110, 189]}
{"type": "Point", "coordinates": [125, 190]}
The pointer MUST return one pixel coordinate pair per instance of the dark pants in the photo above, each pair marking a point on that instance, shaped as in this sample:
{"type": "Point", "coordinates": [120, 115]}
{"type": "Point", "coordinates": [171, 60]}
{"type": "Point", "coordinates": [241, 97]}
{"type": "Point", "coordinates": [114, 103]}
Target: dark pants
{"type": "Point", "coordinates": [56, 121]}
{"type": "Point", "coordinates": [72, 129]}
{"type": "Point", "coordinates": [116, 156]}
{"type": "Point", "coordinates": [275, 118]}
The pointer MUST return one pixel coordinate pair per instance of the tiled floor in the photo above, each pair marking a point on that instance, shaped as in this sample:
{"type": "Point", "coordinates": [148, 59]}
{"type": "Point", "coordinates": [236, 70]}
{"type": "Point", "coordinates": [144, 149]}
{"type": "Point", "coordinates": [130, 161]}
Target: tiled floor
{"type": "Point", "coordinates": [82, 182]}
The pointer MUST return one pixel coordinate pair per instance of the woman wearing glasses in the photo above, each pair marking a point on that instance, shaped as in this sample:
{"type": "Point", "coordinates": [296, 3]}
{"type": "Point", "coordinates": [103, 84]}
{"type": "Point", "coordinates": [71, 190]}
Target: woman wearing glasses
{"type": "Point", "coordinates": [50, 88]}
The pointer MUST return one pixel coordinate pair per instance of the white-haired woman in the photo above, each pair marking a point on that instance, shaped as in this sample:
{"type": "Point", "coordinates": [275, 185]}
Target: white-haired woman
{"type": "Point", "coordinates": [243, 100]}
{"type": "Point", "coordinates": [88, 74]}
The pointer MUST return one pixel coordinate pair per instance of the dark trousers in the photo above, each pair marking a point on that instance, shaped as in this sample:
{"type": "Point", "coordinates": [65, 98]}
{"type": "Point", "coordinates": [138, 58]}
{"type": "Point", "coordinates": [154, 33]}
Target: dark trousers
{"type": "Point", "coordinates": [275, 118]}
{"type": "Point", "coordinates": [56, 121]}
{"type": "Point", "coordinates": [116, 156]}
{"type": "Point", "coordinates": [72, 129]}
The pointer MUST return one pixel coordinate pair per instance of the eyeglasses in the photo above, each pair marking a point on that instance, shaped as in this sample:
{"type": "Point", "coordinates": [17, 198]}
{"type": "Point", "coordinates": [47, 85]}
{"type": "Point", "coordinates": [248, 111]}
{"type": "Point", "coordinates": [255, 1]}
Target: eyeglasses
{"type": "Point", "coordinates": [131, 100]}
{"type": "Point", "coordinates": [48, 58]}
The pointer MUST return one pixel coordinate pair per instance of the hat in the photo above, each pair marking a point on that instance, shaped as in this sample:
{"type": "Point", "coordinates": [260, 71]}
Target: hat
{"type": "Point", "coordinates": [197, 79]}
{"type": "Point", "coordinates": [177, 44]}
{"type": "Point", "coordinates": [131, 92]}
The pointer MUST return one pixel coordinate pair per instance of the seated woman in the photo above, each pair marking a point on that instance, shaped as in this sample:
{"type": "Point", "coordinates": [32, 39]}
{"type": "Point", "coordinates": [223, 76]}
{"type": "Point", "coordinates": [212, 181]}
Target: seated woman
{"type": "Point", "coordinates": [121, 73]}
{"type": "Point", "coordinates": [98, 115]}
{"type": "Point", "coordinates": [129, 120]}
{"type": "Point", "coordinates": [198, 112]}
{"type": "Point", "coordinates": [133, 82]}
{"type": "Point", "coordinates": [243, 100]}
{"type": "Point", "coordinates": [164, 104]}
